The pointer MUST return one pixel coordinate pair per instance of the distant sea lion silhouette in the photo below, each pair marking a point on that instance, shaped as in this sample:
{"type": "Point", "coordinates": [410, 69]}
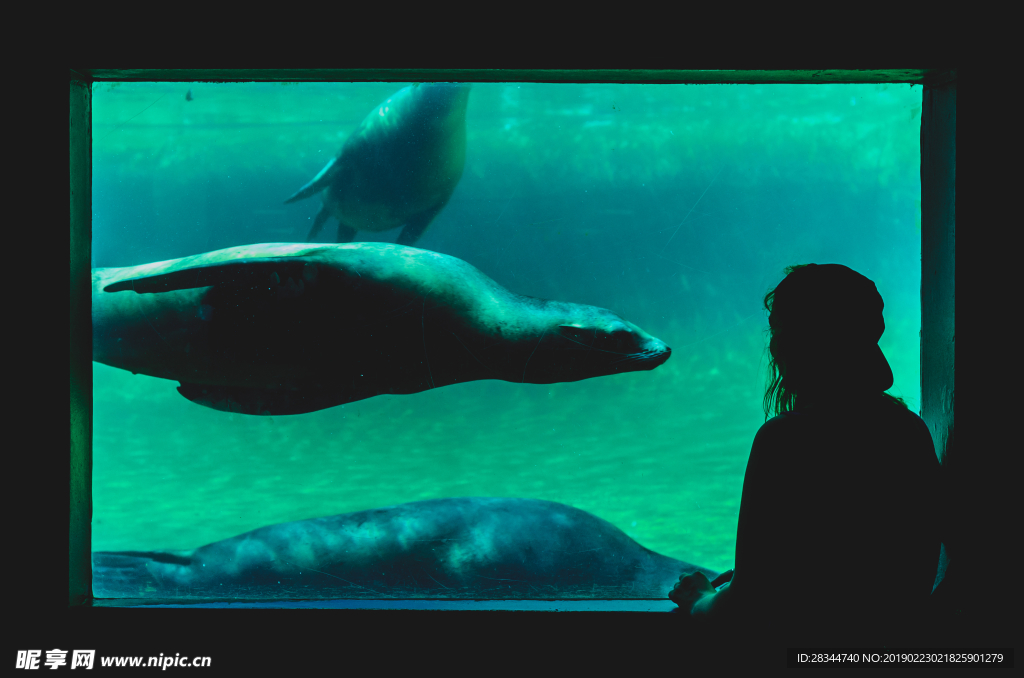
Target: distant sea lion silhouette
{"type": "Point", "coordinates": [400, 167]}
{"type": "Point", "coordinates": [470, 547]}
{"type": "Point", "coordinates": [292, 328]}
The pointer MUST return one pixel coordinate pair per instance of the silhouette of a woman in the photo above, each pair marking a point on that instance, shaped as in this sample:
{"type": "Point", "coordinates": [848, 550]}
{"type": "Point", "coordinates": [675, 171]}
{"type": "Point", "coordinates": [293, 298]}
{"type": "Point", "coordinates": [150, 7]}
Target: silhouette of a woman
{"type": "Point", "coordinates": [837, 538]}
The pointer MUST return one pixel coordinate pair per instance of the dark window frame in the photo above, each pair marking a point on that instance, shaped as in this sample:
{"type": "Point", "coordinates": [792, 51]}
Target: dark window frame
{"type": "Point", "coordinates": [938, 209]}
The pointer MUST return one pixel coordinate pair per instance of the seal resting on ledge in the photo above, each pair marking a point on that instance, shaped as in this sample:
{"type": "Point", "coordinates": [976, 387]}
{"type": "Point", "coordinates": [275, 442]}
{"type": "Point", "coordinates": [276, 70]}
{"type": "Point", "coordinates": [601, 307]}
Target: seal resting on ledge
{"type": "Point", "coordinates": [291, 328]}
{"type": "Point", "coordinates": [467, 547]}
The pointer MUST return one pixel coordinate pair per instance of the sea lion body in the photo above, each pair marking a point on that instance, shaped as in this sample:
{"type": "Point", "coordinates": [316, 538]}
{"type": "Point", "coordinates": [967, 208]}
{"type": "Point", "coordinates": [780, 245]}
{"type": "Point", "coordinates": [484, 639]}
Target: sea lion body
{"type": "Point", "coordinates": [399, 167]}
{"type": "Point", "coordinates": [470, 547]}
{"type": "Point", "coordinates": [292, 328]}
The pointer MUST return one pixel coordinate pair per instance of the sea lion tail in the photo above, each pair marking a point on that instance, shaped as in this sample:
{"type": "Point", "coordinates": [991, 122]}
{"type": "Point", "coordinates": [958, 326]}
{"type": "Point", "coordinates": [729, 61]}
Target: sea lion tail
{"type": "Point", "coordinates": [126, 574]}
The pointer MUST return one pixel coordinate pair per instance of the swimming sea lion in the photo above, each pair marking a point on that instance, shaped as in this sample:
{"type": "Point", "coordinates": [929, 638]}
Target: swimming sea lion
{"type": "Point", "coordinates": [470, 547]}
{"type": "Point", "coordinates": [292, 328]}
{"type": "Point", "coordinates": [400, 167]}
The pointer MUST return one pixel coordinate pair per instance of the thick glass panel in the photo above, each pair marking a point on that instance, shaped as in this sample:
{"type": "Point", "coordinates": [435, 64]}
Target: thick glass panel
{"type": "Point", "coordinates": [674, 206]}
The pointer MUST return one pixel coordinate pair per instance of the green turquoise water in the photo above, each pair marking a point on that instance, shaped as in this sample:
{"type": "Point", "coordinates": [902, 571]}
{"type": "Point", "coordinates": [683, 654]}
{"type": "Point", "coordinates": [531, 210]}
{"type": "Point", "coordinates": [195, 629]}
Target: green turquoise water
{"type": "Point", "coordinates": [676, 206]}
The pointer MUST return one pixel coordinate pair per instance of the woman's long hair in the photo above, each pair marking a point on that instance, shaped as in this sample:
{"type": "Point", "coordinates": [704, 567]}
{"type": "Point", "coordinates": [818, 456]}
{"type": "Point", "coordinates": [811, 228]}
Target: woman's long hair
{"type": "Point", "coordinates": [778, 397]}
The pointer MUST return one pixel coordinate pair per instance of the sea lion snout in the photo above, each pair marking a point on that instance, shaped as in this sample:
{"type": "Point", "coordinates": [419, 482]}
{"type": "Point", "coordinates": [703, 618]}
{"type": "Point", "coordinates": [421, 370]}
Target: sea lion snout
{"type": "Point", "coordinates": [655, 353]}
{"type": "Point", "coordinates": [600, 342]}
{"type": "Point", "coordinates": [642, 350]}
{"type": "Point", "coordinates": [650, 353]}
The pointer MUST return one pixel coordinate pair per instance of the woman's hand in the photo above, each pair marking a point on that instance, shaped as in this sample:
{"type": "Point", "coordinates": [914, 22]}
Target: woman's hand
{"type": "Point", "coordinates": [689, 589]}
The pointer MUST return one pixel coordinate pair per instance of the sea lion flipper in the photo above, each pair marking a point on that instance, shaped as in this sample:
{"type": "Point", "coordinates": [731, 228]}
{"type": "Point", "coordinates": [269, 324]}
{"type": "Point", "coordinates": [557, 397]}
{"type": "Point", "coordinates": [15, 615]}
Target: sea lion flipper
{"type": "Point", "coordinates": [262, 401]}
{"type": "Point", "coordinates": [130, 574]}
{"type": "Point", "coordinates": [415, 226]}
{"type": "Point", "coordinates": [345, 233]}
{"type": "Point", "coordinates": [318, 222]}
{"type": "Point", "coordinates": [239, 272]}
{"type": "Point", "coordinates": [319, 183]}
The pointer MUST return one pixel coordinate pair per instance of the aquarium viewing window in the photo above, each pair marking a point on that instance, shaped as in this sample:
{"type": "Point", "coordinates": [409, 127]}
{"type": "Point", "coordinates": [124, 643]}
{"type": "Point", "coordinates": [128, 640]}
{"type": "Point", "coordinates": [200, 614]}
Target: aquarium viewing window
{"type": "Point", "coordinates": [672, 199]}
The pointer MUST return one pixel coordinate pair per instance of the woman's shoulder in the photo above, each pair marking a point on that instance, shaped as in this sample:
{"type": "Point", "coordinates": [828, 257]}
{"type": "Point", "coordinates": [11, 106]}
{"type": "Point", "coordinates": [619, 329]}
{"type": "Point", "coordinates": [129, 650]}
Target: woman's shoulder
{"type": "Point", "coordinates": [889, 415]}
{"type": "Point", "coordinates": [778, 435]}
{"type": "Point", "coordinates": [900, 416]}
{"type": "Point", "coordinates": [783, 424]}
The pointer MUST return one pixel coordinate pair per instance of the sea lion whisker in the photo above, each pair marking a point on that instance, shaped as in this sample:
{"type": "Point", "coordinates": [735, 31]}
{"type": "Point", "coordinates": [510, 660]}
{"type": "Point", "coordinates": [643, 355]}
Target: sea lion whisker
{"type": "Point", "coordinates": [593, 348]}
{"type": "Point", "coordinates": [631, 356]}
{"type": "Point", "coordinates": [637, 357]}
